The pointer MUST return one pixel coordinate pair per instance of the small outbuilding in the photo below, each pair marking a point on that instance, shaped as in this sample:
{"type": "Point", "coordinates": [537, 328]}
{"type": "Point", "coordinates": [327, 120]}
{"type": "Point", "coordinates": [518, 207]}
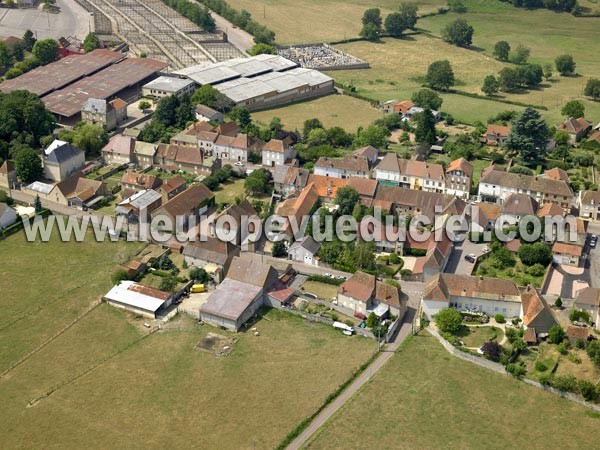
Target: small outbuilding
{"type": "Point", "coordinates": [138, 299]}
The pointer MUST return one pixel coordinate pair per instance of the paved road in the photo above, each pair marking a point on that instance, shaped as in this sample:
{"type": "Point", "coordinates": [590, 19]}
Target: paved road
{"type": "Point", "coordinates": [383, 357]}
{"type": "Point", "coordinates": [457, 263]}
{"type": "Point", "coordinates": [594, 256]}
{"type": "Point", "coordinates": [238, 37]}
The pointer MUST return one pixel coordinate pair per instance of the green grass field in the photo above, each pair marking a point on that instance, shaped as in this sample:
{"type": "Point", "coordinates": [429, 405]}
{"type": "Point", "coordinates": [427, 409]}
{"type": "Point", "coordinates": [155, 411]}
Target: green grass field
{"type": "Point", "coordinates": [396, 65]}
{"type": "Point", "coordinates": [330, 20]}
{"type": "Point", "coordinates": [426, 398]}
{"type": "Point", "coordinates": [106, 381]}
{"type": "Point", "coordinates": [333, 110]}
{"type": "Point", "coordinates": [47, 285]}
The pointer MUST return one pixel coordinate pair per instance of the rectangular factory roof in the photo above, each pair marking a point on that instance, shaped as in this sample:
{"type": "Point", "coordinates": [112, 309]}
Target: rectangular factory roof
{"type": "Point", "coordinates": [103, 85]}
{"type": "Point", "coordinates": [169, 84]}
{"type": "Point", "coordinates": [56, 75]}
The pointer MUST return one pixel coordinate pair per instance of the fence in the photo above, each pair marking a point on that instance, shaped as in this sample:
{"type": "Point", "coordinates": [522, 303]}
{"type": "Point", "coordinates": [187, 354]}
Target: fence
{"type": "Point", "coordinates": [499, 368]}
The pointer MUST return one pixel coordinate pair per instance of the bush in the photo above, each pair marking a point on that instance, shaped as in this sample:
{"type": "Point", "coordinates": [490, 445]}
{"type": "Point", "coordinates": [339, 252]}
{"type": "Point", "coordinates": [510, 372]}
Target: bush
{"type": "Point", "coordinates": [499, 318]}
{"type": "Point", "coordinates": [516, 369]}
{"type": "Point", "coordinates": [326, 280]}
{"type": "Point", "coordinates": [567, 383]}
{"type": "Point", "coordinates": [556, 334]}
{"type": "Point", "coordinates": [579, 316]}
{"type": "Point", "coordinates": [448, 320]}
{"type": "Point", "coordinates": [540, 366]}
{"type": "Point", "coordinates": [511, 334]}
{"type": "Point", "coordinates": [118, 276]}
{"type": "Point", "coordinates": [562, 348]}
{"type": "Point", "coordinates": [492, 350]}
{"type": "Point", "coordinates": [588, 390]}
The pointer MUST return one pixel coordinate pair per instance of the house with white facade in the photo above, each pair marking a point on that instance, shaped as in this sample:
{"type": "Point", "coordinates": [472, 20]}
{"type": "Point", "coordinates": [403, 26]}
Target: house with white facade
{"type": "Point", "coordinates": [236, 148]}
{"type": "Point", "coordinates": [488, 295]}
{"type": "Point", "coordinates": [589, 204]}
{"type": "Point", "coordinates": [348, 166]}
{"type": "Point", "coordinates": [276, 153]}
{"type": "Point", "coordinates": [61, 160]}
{"type": "Point", "coordinates": [305, 250]}
{"type": "Point", "coordinates": [410, 174]}
{"type": "Point", "coordinates": [497, 186]}
{"type": "Point", "coordinates": [459, 177]}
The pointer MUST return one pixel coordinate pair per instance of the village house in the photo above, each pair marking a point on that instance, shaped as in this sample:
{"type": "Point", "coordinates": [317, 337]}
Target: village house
{"type": "Point", "coordinates": [496, 185]}
{"type": "Point", "coordinates": [288, 180]}
{"type": "Point", "coordinates": [174, 157]}
{"type": "Point", "coordinates": [577, 129]}
{"type": "Point", "coordinates": [366, 188]}
{"type": "Point", "coordinates": [536, 313]}
{"type": "Point", "coordinates": [459, 176]}
{"type": "Point", "coordinates": [518, 206]}
{"type": "Point", "coordinates": [298, 209]}
{"type": "Point", "coordinates": [489, 295]}
{"type": "Point", "coordinates": [326, 187]}
{"type": "Point", "coordinates": [8, 175]}
{"type": "Point", "coordinates": [588, 203]}
{"type": "Point", "coordinates": [8, 215]}
{"type": "Point", "coordinates": [164, 86]}
{"type": "Point", "coordinates": [348, 166]}
{"type": "Point", "coordinates": [75, 191]}
{"type": "Point", "coordinates": [236, 148]}
{"type": "Point", "coordinates": [588, 300]}
{"type": "Point", "coordinates": [141, 204]}
{"type": "Point", "coordinates": [240, 295]}
{"type": "Point", "coordinates": [211, 254]}
{"type": "Point", "coordinates": [277, 152]}
{"type": "Point", "coordinates": [568, 254]}
{"type": "Point", "coordinates": [207, 114]}
{"type": "Point", "coordinates": [144, 154]}
{"type": "Point", "coordinates": [414, 203]}
{"type": "Point", "coordinates": [231, 223]}
{"type": "Point", "coordinates": [132, 182]}
{"type": "Point", "coordinates": [364, 293]}
{"type": "Point", "coordinates": [305, 250]}
{"type": "Point", "coordinates": [410, 174]}
{"type": "Point", "coordinates": [496, 135]}
{"type": "Point", "coordinates": [119, 150]}
{"type": "Point", "coordinates": [61, 160]}
{"type": "Point", "coordinates": [172, 187]}
{"type": "Point", "coordinates": [107, 114]}
{"type": "Point", "coordinates": [193, 202]}
{"type": "Point", "coordinates": [369, 152]}
{"type": "Point", "coordinates": [138, 299]}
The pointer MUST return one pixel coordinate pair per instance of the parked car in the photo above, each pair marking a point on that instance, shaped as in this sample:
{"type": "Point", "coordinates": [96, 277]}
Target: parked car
{"type": "Point", "coordinates": [485, 250]}
{"type": "Point", "coordinates": [471, 258]}
{"type": "Point", "coordinates": [238, 164]}
{"type": "Point", "coordinates": [593, 241]}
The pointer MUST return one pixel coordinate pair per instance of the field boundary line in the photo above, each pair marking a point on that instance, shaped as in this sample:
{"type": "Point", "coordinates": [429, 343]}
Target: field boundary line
{"type": "Point", "coordinates": [16, 364]}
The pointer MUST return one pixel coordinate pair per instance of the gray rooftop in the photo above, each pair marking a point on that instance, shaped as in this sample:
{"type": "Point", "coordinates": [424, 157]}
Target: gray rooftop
{"type": "Point", "coordinates": [230, 299]}
{"type": "Point", "coordinates": [59, 152]}
{"type": "Point", "coordinates": [169, 84]}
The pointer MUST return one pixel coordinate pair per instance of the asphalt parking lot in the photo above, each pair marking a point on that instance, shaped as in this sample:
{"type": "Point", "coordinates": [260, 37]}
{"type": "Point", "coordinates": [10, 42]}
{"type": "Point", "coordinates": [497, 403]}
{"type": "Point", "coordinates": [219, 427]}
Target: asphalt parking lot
{"type": "Point", "coordinates": [457, 263]}
{"type": "Point", "coordinates": [71, 20]}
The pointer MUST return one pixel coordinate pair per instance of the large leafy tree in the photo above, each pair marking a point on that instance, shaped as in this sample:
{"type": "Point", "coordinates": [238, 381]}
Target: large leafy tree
{"type": "Point", "coordinates": [440, 75]}
{"type": "Point", "coordinates": [28, 164]}
{"type": "Point", "coordinates": [459, 33]}
{"type": "Point", "coordinates": [395, 24]}
{"type": "Point", "coordinates": [209, 96]}
{"type": "Point", "coordinates": [426, 98]}
{"type": "Point", "coordinates": [46, 51]}
{"type": "Point", "coordinates": [528, 136]}
{"type": "Point", "coordinates": [490, 85]}
{"type": "Point", "coordinates": [574, 109]}
{"type": "Point", "coordinates": [346, 197]}
{"type": "Point", "coordinates": [23, 115]}
{"type": "Point", "coordinates": [90, 138]}
{"type": "Point", "coordinates": [565, 65]}
{"type": "Point", "coordinates": [408, 11]}
{"type": "Point", "coordinates": [374, 135]}
{"type": "Point", "coordinates": [502, 50]}
{"type": "Point", "coordinates": [372, 22]}
{"type": "Point", "coordinates": [425, 127]}
{"type": "Point", "coordinates": [592, 88]}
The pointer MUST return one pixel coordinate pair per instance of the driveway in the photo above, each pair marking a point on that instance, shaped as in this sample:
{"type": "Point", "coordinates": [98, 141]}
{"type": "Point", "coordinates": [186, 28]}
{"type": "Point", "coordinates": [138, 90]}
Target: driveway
{"type": "Point", "coordinates": [457, 263]}
{"type": "Point", "coordinates": [565, 281]}
{"type": "Point", "coordinates": [593, 259]}
{"type": "Point", "coordinates": [238, 37]}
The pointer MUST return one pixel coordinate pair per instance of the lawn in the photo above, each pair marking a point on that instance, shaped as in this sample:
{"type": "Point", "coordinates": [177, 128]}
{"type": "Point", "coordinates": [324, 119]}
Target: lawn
{"type": "Point", "coordinates": [322, 290]}
{"type": "Point", "coordinates": [426, 398]}
{"type": "Point", "coordinates": [227, 192]}
{"type": "Point", "coordinates": [476, 336]}
{"type": "Point", "coordinates": [47, 285]}
{"type": "Point", "coordinates": [318, 20]}
{"type": "Point", "coordinates": [549, 355]}
{"type": "Point", "coordinates": [333, 110]}
{"type": "Point", "coordinates": [161, 391]}
{"type": "Point", "coordinates": [518, 272]}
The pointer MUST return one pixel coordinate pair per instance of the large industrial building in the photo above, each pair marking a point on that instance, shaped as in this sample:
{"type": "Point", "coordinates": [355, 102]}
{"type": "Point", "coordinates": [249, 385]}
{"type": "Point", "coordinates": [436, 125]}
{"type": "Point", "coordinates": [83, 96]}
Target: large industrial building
{"type": "Point", "coordinates": [66, 85]}
{"type": "Point", "coordinates": [262, 81]}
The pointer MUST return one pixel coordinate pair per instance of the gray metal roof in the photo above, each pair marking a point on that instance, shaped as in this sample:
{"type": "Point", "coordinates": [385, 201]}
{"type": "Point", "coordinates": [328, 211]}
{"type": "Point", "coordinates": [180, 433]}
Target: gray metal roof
{"type": "Point", "coordinates": [230, 299]}
{"type": "Point", "coordinates": [95, 105]}
{"type": "Point", "coordinates": [59, 152]}
{"type": "Point", "coordinates": [169, 84]}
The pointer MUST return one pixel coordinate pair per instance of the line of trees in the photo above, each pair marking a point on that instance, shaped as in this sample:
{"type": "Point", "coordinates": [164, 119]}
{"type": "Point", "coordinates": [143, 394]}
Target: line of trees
{"type": "Point", "coordinates": [395, 24]}
{"type": "Point", "coordinates": [194, 12]}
